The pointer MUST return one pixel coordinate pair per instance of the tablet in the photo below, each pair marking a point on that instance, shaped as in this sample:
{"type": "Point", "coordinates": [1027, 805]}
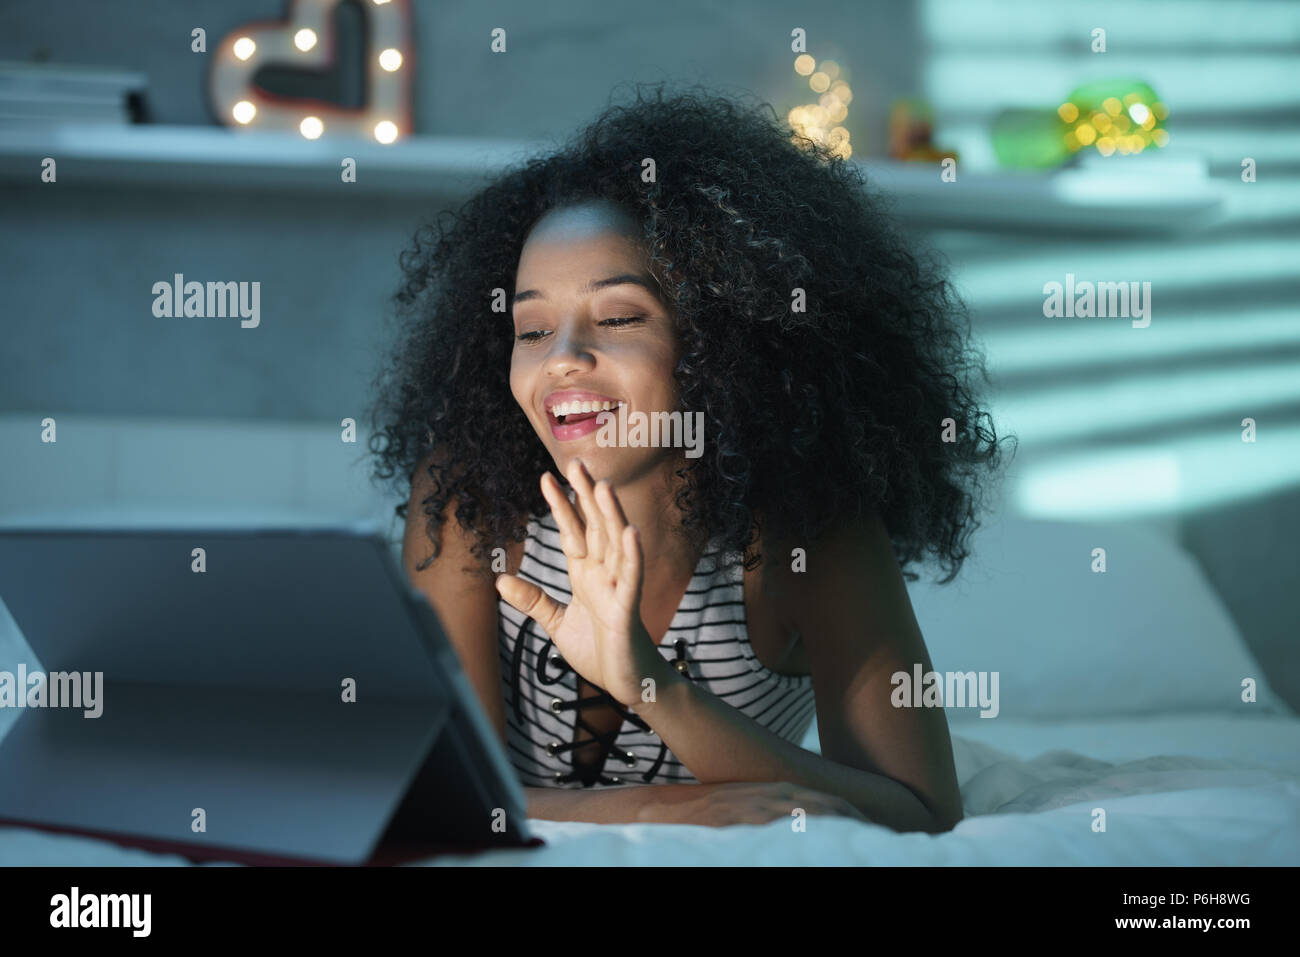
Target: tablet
{"type": "Point", "coordinates": [251, 694]}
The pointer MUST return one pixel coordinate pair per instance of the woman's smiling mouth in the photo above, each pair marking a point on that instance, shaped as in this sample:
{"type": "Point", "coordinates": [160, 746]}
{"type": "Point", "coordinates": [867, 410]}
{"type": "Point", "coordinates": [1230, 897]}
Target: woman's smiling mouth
{"type": "Point", "coordinates": [572, 414]}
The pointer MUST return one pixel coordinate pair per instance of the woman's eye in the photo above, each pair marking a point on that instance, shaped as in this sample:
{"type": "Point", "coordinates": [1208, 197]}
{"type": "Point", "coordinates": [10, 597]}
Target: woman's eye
{"type": "Point", "coordinates": [615, 321]}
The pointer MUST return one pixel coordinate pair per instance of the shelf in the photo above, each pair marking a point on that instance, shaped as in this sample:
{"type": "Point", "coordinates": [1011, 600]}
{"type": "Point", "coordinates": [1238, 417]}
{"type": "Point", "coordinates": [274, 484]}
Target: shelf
{"type": "Point", "coordinates": [1154, 194]}
{"type": "Point", "coordinates": [1135, 194]}
{"type": "Point", "coordinates": [202, 157]}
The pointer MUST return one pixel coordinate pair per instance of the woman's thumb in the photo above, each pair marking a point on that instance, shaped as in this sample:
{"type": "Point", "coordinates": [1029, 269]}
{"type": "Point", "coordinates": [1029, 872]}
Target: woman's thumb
{"type": "Point", "coordinates": [531, 600]}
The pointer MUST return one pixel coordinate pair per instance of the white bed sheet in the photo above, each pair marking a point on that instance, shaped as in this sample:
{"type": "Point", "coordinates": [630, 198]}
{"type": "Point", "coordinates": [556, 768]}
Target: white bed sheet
{"type": "Point", "coordinates": [1197, 789]}
{"type": "Point", "coordinates": [1194, 789]}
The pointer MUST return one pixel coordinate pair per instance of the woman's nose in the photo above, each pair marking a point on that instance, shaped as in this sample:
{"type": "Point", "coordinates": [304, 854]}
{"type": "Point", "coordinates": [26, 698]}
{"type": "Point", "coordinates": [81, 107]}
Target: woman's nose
{"type": "Point", "coordinates": [569, 351]}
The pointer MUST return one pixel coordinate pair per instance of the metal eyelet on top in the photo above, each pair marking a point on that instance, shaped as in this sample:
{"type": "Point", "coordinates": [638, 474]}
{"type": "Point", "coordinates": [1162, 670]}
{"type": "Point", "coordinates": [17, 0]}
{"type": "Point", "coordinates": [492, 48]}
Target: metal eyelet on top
{"type": "Point", "coordinates": [554, 659]}
{"type": "Point", "coordinates": [550, 748]}
{"type": "Point", "coordinates": [682, 666]}
{"type": "Point", "coordinates": [629, 759]}
{"type": "Point", "coordinates": [556, 705]}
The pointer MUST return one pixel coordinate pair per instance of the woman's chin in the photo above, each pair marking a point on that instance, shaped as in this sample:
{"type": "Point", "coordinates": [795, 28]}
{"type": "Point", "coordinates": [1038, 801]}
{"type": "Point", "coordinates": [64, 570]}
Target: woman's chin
{"type": "Point", "coordinates": [618, 466]}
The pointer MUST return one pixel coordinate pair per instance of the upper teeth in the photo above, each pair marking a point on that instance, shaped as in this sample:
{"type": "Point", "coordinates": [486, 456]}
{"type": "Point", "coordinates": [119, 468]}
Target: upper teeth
{"type": "Point", "coordinates": [576, 408]}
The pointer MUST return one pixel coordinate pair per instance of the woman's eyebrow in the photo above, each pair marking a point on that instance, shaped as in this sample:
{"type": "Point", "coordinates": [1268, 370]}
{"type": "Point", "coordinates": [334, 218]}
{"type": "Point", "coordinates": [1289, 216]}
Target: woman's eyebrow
{"type": "Point", "coordinates": [645, 281]}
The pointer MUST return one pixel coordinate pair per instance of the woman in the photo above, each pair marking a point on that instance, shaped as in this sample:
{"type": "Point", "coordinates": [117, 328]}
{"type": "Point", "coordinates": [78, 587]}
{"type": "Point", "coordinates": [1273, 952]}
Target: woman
{"type": "Point", "coordinates": [651, 625]}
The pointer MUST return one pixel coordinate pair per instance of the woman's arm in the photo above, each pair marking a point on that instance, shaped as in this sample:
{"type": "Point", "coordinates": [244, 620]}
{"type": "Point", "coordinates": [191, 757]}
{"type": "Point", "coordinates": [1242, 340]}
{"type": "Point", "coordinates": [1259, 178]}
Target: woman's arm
{"type": "Point", "coordinates": [718, 744]}
{"type": "Point", "coordinates": [466, 604]}
{"type": "Point", "coordinates": [714, 805]}
{"type": "Point", "coordinates": [893, 764]}
{"type": "Point", "coordinates": [611, 805]}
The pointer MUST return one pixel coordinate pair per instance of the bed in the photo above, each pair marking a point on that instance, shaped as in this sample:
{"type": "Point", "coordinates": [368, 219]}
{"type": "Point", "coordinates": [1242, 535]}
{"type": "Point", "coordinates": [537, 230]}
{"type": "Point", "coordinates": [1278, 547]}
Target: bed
{"type": "Point", "coordinates": [1133, 727]}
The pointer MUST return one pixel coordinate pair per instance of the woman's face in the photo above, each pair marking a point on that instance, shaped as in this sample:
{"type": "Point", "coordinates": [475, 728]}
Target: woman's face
{"type": "Point", "coordinates": [580, 268]}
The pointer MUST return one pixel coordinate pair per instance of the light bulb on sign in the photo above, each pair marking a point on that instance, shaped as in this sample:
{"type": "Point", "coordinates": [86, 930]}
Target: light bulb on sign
{"type": "Point", "coordinates": [306, 40]}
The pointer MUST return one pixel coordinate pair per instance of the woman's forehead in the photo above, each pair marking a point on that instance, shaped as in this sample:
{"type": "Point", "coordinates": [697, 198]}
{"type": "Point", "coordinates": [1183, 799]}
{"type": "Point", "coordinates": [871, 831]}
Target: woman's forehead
{"type": "Point", "coordinates": [588, 220]}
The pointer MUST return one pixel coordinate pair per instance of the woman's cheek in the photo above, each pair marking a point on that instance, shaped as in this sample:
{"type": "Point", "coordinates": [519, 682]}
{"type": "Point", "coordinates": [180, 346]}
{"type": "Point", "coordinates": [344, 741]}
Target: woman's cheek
{"type": "Point", "coordinates": [518, 381]}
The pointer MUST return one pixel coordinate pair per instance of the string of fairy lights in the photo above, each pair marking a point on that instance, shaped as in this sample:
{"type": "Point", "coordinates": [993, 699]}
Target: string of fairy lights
{"type": "Point", "coordinates": [1126, 125]}
{"type": "Point", "coordinates": [822, 121]}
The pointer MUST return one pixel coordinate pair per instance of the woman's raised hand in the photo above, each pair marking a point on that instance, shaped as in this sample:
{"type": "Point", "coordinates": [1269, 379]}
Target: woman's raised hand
{"type": "Point", "coordinates": [600, 632]}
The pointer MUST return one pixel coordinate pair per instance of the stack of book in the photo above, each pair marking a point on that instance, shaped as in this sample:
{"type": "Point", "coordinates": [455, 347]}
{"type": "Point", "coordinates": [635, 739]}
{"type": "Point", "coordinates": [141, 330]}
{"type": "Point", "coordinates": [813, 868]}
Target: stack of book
{"type": "Point", "coordinates": [55, 92]}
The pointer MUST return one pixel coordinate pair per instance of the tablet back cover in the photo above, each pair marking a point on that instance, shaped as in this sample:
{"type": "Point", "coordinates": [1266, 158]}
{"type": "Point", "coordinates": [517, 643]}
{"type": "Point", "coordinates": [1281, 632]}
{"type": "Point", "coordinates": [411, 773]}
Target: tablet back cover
{"type": "Point", "coordinates": [266, 695]}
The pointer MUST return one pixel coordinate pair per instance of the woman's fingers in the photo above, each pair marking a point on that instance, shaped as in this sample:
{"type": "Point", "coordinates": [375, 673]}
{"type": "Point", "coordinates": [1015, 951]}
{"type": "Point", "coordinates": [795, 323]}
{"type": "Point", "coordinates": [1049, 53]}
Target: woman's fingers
{"type": "Point", "coordinates": [597, 542]}
{"type": "Point", "coordinates": [573, 537]}
{"type": "Point", "coordinates": [628, 590]}
{"type": "Point", "coordinates": [615, 522]}
{"type": "Point", "coordinates": [599, 534]}
{"type": "Point", "coordinates": [532, 601]}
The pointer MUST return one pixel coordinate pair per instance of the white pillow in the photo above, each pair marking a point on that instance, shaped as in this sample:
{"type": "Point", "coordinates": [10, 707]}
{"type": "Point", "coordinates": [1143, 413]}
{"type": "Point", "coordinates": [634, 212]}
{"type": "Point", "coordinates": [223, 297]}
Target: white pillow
{"type": "Point", "coordinates": [1148, 635]}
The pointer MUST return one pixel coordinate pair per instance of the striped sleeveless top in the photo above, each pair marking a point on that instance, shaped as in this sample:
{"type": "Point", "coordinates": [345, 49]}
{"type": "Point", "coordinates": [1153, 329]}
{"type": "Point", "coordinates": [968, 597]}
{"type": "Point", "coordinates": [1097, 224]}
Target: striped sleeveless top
{"type": "Point", "coordinates": [708, 642]}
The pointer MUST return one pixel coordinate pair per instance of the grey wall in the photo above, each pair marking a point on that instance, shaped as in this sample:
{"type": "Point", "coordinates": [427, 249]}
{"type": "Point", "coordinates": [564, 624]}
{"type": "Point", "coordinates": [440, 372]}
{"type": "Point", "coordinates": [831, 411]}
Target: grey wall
{"type": "Point", "coordinates": [81, 335]}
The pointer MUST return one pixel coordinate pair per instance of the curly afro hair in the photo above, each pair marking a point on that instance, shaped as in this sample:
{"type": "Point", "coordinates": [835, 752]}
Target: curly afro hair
{"type": "Point", "coordinates": [815, 415]}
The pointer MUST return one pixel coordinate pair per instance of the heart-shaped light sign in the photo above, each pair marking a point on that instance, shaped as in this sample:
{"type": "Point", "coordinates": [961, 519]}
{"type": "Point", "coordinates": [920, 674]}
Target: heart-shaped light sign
{"type": "Point", "coordinates": [307, 41]}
